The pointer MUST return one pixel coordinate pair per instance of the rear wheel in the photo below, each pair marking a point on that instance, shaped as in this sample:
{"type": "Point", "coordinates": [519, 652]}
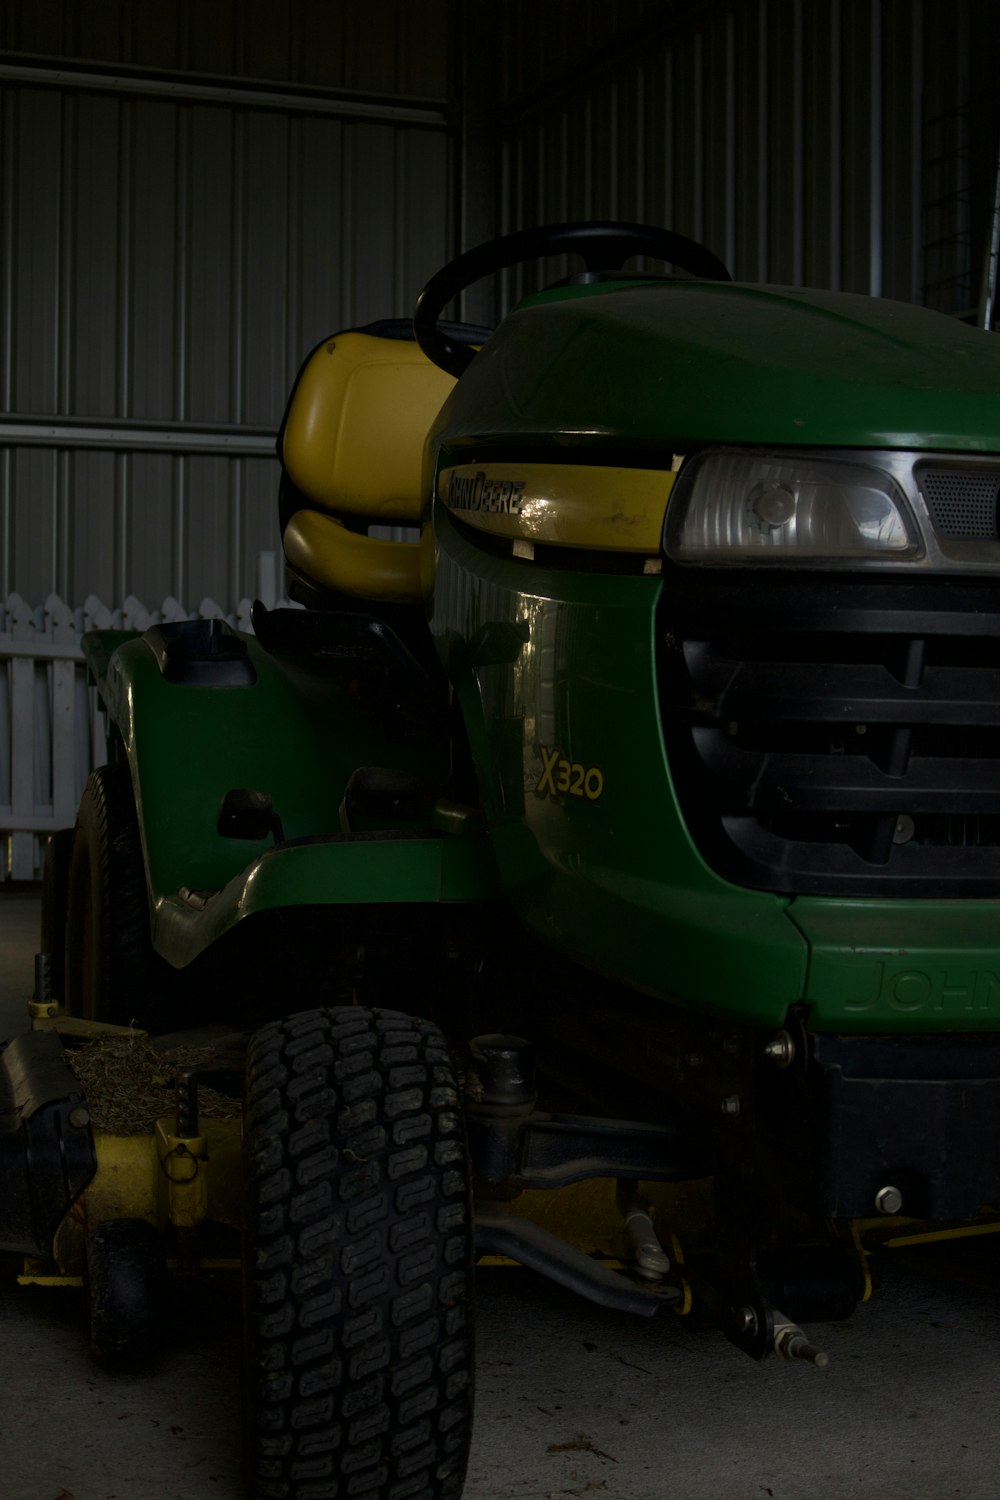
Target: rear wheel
{"type": "Point", "coordinates": [111, 972]}
{"type": "Point", "coordinates": [55, 892]}
{"type": "Point", "coordinates": [359, 1261]}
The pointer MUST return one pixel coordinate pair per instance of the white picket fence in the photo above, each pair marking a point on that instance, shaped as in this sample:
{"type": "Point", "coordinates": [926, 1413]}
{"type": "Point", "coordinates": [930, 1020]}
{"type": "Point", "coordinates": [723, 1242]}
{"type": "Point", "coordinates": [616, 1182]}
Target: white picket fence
{"type": "Point", "coordinates": [51, 734]}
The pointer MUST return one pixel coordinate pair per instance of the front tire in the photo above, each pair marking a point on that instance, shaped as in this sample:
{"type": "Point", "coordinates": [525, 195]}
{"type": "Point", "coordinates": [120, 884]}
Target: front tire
{"type": "Point", "coordinates": [359, 1261]}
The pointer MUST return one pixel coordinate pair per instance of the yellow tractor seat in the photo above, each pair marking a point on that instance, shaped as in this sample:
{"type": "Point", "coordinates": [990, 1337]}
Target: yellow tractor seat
{"type": "Point", "coordinates": [351, 447]}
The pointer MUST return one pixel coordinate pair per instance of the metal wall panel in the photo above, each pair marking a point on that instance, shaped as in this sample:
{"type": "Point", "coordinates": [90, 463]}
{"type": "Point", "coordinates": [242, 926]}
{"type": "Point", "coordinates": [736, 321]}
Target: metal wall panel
{"type": "Point", "coordinates": [173, 244]}
{"type": "Point", "coordinates": [389, 47]}
{"type": "Point", "coordinates": [561, 43]}
{"type": "Point", "coordinates": [90, 521]}
{"type": "Point", "coordinates": [841, 143]}
{"type": "Point", "coordinates": [170, 261]}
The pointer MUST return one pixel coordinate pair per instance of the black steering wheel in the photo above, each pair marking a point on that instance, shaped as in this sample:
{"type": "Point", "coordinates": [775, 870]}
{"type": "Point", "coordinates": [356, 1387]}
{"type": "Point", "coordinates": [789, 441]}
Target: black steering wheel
{"type": "Point", "coordinates": [604, 246]}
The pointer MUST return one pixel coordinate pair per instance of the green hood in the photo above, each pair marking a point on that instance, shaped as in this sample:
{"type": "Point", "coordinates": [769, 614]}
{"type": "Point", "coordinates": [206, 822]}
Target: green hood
{"type": "Point", "coordinates": [683, 363]}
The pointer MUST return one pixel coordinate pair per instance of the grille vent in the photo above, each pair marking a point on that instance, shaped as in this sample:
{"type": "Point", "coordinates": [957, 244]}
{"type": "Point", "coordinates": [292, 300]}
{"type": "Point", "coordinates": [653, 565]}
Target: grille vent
{"type": "Point", "coordinates": [836, 736]}
{"type": "Point", "coordinates": [962, 504]}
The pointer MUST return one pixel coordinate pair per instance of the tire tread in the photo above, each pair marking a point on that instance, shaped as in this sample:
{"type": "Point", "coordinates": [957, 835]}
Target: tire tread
{"type": "Point", "coordinates": [362, 1255]}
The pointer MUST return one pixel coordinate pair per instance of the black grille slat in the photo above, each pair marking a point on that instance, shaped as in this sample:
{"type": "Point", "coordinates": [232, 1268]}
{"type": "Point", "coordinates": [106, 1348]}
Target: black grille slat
{"type": "Point", "coordinates": [830, 693]}
{"type": "Point", "coordinates": [966, 870]}
{"type": "Point", "coordinates": [836, 606]}
{"type": "Point", "coordinates": [853, 783]}
{"type": "Point", "coordinates": [836, 735]}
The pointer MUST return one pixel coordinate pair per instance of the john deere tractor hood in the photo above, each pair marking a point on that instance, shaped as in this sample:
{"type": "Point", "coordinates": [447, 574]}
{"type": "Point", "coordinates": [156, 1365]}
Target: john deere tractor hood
{"type": "Point", "coordinates": [692, 362]}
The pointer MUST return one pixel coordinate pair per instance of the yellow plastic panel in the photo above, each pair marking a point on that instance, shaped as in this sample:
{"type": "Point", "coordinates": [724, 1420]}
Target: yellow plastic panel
{"type": "Point", "coordinates": [355, 433]}
{"type": "Point", "coordinates": [323, 550]}
{"type": "Point", "coordinates": [564, 505]}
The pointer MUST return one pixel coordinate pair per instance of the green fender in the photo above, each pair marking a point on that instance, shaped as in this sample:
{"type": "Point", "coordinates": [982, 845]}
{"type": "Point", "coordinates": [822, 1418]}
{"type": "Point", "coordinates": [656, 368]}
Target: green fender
{"type": "Point", "coordinates": [298, 735]}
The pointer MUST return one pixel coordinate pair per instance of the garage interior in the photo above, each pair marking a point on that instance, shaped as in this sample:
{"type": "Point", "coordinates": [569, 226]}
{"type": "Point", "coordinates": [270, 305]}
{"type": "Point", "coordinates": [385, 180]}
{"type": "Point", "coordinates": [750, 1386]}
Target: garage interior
{"type": "Point", "coordinates": [193, 196]}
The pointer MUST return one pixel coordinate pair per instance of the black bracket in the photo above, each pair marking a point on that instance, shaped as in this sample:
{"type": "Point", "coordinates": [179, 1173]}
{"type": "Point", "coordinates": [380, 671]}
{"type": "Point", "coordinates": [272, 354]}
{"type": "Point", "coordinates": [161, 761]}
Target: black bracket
{"type": "Point", "coordinates": [532, 1245]}
{"type": "Point", "coordinates": [554, 1150]}
{"type": "Point", "coordinates": [513, 1145]}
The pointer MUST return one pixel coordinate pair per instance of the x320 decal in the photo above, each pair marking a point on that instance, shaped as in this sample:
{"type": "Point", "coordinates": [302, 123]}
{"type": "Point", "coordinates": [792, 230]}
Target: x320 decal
{"type": "Point", "coordinates": [568, 778]}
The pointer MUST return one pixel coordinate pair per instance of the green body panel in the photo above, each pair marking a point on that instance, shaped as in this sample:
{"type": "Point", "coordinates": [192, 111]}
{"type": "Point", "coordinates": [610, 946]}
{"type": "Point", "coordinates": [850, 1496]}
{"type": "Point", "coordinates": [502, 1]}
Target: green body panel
{"type": "Point", "coordinates": [397, 870]}
{"type": "Point", "coordinates": [615, 882]}
{"type": "Point", "coordinates": [612, 880]}
{"type": "Point", "coordinates": [295, 734]}
{"type": "Point", "coordinates": [653, 370]}
{"type": "Point", "coordinates": [883, 966]}
{"type": "Point", "coordinates": [675, 364]}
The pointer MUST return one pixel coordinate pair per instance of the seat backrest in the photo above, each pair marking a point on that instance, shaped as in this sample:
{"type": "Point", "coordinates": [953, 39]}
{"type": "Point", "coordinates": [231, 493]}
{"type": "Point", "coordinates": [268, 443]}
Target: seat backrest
{"type": "Point", "coordinates": [353, 437]}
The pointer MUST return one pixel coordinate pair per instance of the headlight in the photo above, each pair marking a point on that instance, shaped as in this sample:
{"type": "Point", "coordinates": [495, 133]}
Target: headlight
{"type": "Point", "coordinates": [742, 507]}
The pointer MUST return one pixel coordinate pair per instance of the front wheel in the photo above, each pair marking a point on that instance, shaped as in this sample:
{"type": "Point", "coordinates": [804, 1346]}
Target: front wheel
{"type": "Point", "coordinates": [359, 1260]}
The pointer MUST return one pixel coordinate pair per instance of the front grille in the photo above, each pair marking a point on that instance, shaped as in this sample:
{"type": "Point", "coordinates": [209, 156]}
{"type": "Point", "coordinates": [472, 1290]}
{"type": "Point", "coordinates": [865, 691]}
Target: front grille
{"type": "Point", "coordinates": [834, 736]}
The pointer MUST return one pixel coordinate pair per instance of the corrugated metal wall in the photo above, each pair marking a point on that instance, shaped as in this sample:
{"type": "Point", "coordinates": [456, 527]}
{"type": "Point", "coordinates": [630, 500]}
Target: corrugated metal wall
{"type": "Point", "coordinates": [842, 143]}
{"type": "Point", "coordinates": [193, 196]}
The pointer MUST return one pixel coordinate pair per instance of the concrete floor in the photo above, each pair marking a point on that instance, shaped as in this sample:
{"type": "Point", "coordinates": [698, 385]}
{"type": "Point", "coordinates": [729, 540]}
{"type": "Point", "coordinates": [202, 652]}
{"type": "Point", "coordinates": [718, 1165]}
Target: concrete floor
{"type": "Point", "coordinates": [572, 1401]}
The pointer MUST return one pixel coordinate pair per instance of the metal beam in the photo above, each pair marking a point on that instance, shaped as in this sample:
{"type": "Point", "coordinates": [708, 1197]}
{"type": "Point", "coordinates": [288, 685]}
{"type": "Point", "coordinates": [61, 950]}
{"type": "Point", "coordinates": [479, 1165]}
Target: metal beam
{"type": "Point", "coordinates": [252, 94]}
{"type": "Point", "coordinates": [127, 437]}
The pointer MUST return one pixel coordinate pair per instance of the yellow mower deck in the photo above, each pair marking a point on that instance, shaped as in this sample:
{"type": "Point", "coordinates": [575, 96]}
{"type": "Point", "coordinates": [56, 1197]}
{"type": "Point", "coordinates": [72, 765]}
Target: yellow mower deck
{"type": "Point", "coordinates": [186, 1180]}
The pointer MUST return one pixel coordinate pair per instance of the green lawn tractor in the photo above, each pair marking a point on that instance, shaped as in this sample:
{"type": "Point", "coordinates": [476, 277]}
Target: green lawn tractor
{"type": "Point", "coordinates": [599, 872]}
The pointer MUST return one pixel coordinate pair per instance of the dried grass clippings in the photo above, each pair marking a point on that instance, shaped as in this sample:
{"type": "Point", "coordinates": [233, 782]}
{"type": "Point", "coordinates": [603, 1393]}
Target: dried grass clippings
{"type": "Point", "coordinates": [129, 1085]}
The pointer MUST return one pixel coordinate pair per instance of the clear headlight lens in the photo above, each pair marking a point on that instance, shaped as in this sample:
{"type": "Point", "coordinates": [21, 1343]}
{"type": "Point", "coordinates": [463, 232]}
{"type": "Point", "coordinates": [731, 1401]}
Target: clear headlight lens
{"type": "Point", "coordinates": [738, 507]}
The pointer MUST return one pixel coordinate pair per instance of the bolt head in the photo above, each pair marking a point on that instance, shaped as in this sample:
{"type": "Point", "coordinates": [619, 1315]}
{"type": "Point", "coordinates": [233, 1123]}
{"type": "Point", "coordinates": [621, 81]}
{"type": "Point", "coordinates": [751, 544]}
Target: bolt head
{"type": "Point", "coordinates": [888, 1199]}
{"type": "Point", "coordinates": [79, 1117]}
{"type": "Point", "coordinates": [746, 1320]}
{"type": "Point", "coordinates": [780, 1050]}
